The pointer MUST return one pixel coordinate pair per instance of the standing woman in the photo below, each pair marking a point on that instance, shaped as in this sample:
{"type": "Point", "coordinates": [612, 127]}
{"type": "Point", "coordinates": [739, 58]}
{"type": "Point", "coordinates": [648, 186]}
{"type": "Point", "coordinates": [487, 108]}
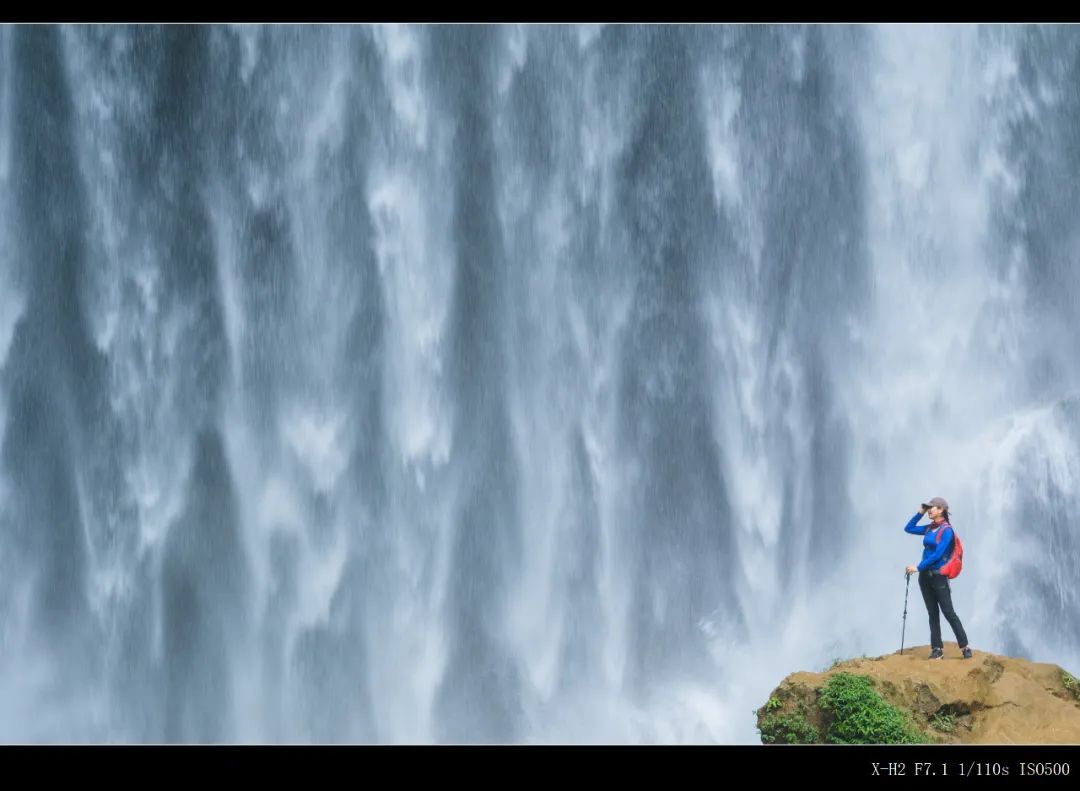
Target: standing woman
{"type": "Point", "coordinates": [935, 587]}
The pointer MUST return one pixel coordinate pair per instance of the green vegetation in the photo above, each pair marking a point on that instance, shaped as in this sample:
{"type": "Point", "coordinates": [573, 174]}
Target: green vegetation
{"type": "Point", "coordinates": [946, 723]}
{"type": "Point", "coordinates": [1071, 684]}
{"type": "Point", "coordinates": [791, 728]}
{"type": "Point", "coordinates": [861, 715]}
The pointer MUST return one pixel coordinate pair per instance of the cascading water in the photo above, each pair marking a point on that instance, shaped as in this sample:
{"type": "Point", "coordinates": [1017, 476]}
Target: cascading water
{"type": "Point", "coordinates": [521, 384]}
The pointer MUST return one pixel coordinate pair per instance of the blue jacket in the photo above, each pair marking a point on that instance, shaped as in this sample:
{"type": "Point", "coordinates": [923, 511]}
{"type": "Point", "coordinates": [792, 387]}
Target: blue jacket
{"type": "Point", "coordinates": [934, 552]}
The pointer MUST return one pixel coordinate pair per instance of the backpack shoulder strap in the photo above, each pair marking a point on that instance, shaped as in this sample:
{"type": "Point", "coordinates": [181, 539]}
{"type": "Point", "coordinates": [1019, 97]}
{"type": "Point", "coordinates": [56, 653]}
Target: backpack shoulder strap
{"type": "Point", "coordinates": [941, 531]}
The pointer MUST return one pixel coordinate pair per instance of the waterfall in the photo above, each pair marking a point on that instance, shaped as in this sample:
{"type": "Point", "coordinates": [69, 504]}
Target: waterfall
{"type": "Point", "coordinates": [412, 384]}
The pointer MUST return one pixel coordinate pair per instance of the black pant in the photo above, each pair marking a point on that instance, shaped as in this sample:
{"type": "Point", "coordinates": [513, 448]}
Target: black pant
{"type": "Point", "coordinates": [936, 593]}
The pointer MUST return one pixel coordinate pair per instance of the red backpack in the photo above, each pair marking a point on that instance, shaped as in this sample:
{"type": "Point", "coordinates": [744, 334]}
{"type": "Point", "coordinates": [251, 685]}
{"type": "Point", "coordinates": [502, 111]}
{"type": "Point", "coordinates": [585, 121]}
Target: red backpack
{"type": "Point", "coordinates": [952, 566]}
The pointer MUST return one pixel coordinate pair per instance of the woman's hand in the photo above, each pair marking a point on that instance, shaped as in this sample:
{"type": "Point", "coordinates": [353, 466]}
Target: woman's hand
{"type": "Point", "coordinates": [911, 569]}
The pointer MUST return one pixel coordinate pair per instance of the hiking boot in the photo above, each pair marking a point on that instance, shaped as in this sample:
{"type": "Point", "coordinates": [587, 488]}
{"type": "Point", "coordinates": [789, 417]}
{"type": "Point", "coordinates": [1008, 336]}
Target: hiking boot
{"type": "Point", "coordinates": [937, 653]}
{"type": "Point", "coordinates": [966, 652]}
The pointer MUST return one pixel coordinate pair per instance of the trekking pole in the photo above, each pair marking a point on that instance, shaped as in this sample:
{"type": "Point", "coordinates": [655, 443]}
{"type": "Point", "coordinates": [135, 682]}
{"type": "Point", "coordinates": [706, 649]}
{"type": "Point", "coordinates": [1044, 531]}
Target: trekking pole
{"type": "Point", "coordinates": [907, 586]}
